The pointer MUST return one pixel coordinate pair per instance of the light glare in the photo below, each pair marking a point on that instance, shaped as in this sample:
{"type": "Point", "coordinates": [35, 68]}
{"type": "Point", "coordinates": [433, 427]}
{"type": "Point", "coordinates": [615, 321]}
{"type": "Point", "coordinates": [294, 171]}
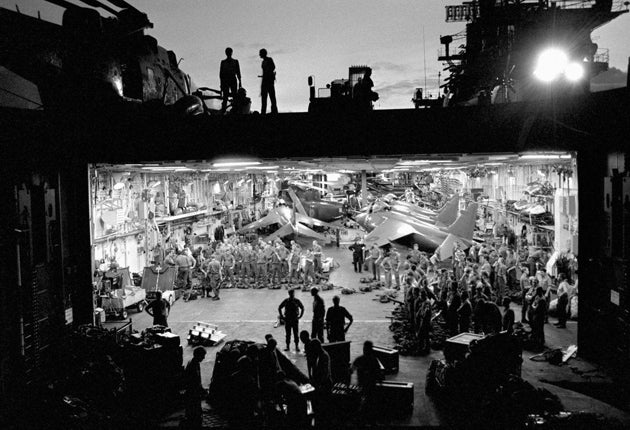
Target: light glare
{"type": "Point", "coordinates": [574, 72]}
{"type": "Point", "coordinates": [551, 64]}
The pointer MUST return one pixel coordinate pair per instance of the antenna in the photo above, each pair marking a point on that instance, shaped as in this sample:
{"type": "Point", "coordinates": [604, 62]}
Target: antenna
{"type": "Point", "coordinates": [424, 49]}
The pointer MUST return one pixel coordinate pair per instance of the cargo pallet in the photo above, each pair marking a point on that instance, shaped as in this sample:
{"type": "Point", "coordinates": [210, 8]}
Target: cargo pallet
{"type": "Point", "coordinates": [205, 334]}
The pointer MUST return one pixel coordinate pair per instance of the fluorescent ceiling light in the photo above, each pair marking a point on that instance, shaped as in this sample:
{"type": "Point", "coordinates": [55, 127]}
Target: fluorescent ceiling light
{"type": "Point", "coordinates": [544, 156]}
{"type": "Point", "coordinates": [168, 168]}
{"type": "Point", "coordinates": [263, 167]}
{"type": "Point", "coordinates": [236, 163]}
{"type": "Point", "coordinates": [437, 169]}
{"type": "Point", "coordinates": [419, 162]}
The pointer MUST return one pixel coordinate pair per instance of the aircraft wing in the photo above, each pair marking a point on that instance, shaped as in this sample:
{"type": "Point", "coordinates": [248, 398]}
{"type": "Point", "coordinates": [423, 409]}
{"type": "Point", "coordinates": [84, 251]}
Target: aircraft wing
{"type": "Point", "coordinates": [283, 231]}
{"type": "Point", "coordinates": [445, 250]}
{"type": "Point", "coordinates": [388, 231]}
{"type": "Point", "coordinates": [273, 217]}
{"type": "Point", "coordinates": [303, 230]}
{"type": "Point", "coordinates": [312, 221]}
{"type": "Point", "coordinates": [299, 229]}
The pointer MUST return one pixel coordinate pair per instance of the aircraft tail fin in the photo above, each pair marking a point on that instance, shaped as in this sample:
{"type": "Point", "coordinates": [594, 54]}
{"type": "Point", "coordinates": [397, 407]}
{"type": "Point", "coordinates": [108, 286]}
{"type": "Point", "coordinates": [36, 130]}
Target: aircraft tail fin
{"type": "Point", "coordinates": [297, 204]}
{"type": "Point", "coordinates": [448, 214]}
{"type": "Point", "coordinates": [464, 226]}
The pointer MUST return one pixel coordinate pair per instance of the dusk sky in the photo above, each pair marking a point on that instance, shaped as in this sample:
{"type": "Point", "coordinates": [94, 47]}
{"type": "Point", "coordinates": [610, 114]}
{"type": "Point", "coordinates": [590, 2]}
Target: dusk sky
{"type": "Point", "coordinates": [314, 37]}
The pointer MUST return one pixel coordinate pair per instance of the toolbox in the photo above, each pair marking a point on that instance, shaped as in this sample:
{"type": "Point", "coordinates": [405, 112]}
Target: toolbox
{"type": "Point", "coordinates": [457, 347]}
{"type": "Point", "coordinates": [388, 357]}
{"type": "Point", "coordinates": [394, 396]}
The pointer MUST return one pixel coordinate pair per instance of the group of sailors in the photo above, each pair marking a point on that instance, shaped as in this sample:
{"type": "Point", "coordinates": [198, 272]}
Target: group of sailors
{"type": "Point", "coordinates": [471, 293]}
{"type": "Point", "coordinates": [386, 264]}
{"type": "Point", "coordinates": [235, 262]}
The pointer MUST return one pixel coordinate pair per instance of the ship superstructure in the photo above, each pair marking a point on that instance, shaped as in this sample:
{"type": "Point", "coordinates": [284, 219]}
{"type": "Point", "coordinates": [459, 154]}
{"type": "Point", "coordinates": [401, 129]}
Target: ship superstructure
{"type": "Point", "coordinates": [516, 50]}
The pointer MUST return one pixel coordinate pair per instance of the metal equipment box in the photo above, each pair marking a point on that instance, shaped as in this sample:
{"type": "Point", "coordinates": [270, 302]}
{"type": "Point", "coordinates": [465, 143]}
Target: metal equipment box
{"type": "Point", "coordinates": [339, 360]}
{"type": "Point", "coordinates": [457, 347]}
{"type": "Point", "coordinates": [394, 396]}
{"type": "Point", "coordinates": [388, 357]}
{"type": "Point", "coordinates": [167, 339]}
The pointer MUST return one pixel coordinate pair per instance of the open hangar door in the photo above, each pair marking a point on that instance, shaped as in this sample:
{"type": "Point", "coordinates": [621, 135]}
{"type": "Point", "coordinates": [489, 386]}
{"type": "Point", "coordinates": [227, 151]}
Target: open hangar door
{"type": "Point", "coordinates": [526, 203]}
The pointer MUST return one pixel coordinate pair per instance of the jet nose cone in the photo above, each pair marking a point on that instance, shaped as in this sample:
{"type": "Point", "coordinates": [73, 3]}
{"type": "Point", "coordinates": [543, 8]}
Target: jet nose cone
{"type": "Point", "coordinates": [361, 219]}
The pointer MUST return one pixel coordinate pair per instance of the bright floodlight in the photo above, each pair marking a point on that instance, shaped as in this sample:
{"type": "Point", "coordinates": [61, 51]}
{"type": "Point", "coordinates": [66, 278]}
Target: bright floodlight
{"type": "Point", "coordinates": [551, 64]}
{"type": "Point", "coordinates": [574, 72]}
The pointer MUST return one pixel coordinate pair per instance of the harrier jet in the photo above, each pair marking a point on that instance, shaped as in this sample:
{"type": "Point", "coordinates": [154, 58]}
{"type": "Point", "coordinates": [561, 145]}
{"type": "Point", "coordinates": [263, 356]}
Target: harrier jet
{"type": "Point", "coordinates": [389, 226]}
{"type": "Point", "coordinates": [291, 222]}
{"type": "Point", "coordinates": [442, 218]}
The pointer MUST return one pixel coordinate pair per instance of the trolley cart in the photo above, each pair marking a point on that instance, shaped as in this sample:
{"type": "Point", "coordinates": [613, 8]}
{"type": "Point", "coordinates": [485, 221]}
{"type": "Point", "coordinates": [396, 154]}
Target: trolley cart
{"type": "Point", "coordinates": [116, 301]}
{"type": "Point", "coordinates": [162, 279]}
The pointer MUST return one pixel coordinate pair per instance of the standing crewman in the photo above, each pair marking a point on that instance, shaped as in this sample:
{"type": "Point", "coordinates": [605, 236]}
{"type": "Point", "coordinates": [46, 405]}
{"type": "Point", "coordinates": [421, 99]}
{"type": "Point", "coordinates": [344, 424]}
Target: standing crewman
{"type": "Point", "coordinates": [185, 264]}
{"type": "Point", "coordinates": [267, 86]}
{"type": "Point", "coordinates": [539, 307]}
{"type": "Point", "coordinates": [251, 262]}
{"type": "Point", "coordinates": [464, 313]}
{"type": "Point", "coordinates": [423, 319]}
{"type": "Point", "coordinates": [321, 375]}
{"type": "Point", "coordinates": [159, 309]}
{"type": "Point", "coordinates": [336, 321]}
{"type": "Point", "coordinates": [215, 276]}
{"type": "Point", "coordinates": [283, 252]}
{"type": "Point", "coordinates": [317, 257]}
{"type": "Point", "coordinates": [293, 311]}
{"type": "Point", "coordinates": [261, 261]}
{"type": "Point", "coordinates": [319, 312]}
{"type": "Point", "coordinates": [238, 262]}
{"type": "Point", "coordinates": [194, 390]}
{"type": "Point", "coordinates": [387, 265]}
{"type": "Point", "coordinates": [308, 266]}
{"type": "Point", "coordinates": [229, 74]}
{"type": "Point", "coordinates": [276, 265]}
{"type": "Point", "coordinates": [158, 255]}
{"type": "Point", "coordinates": [563, 301]}
{"type": "Point", "coordinates": [415, 255]}
{"type": "Point", "coordinates": [395, 260]}
{"type": "Point", "coordinates": [357, 255]}
{"type": "Point", "coordinates": [374, 257]}
{"type": "Point", "coordinates": [294, 263]}
{"type": "Point", "coordinates": [368, 375]}
{"type": "Point", "coordinates": [228, 263]}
